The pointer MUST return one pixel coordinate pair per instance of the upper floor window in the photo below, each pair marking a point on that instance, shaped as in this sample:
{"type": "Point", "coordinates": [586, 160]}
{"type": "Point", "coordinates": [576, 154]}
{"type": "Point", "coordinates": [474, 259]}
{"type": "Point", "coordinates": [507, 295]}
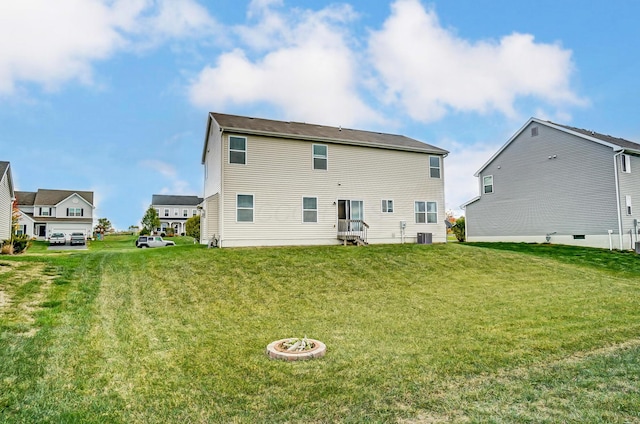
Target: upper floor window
{"type": "Point", "coordinates": [45, 211]}
{"type": "Point", "coordinates": [426, 212]}
{"type": "Point", "coordinates": [320, 156]}
{"type": "Point", "coordinates": [166, 212]}
{"type": "Point", "coordinates": [74, 212]}
{"type": "Point", "coordinates": [194, 212]}
{"type": "Point", "coordinates": [309, 209]}
{"type": "Point", "coordinates": [157, 211]}
{"type": "Point", "coordinates": [434, 166]}
{"type": "Point", "coordinates": [628, 205]}
{"type": "Point", "coordinates": [487, 184]}
{"type": "Point", "coordinates": [176, 212]}
{"type": "Point", "coordinates": [244, 208]}
{"type": "Point", "coordinates": [185, 213]}
{"type": "Point", "coordinates": [625, 161]}
{"type": "Point", "coordinates": [387, 206]}
{"type": "Point", "coordinates": [237, 150]}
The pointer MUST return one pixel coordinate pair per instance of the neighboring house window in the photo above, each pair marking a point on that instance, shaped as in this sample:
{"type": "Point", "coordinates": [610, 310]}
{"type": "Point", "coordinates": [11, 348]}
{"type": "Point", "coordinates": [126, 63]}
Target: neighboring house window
{"type": "Point", "coordinates": [157, 211]}
{"type": "Point", "coordinates": [74, 212]}
{"type": "Point", "coordinates": [628, 204]}
{"type": "Point", "coordinates": [238, 150]}
{"type": "Point", "coordinates": [22, 229]}
{"type": "Point", "coordinates": [309, 209]}
{"type": "Point", "coordinates": [244, 208]}
{"type": "Point", "coordinates": [194, 212]}
{"type": "Point", "coordinates": [387, 206]}
{"type": "Point", "coordinates": [534, 131]}
{"type": "Point", "coordinates": [320, 156]}
{"type": "Point", "coordinates": [166, 212]}
{"type": "Point", "coordinates": [434, 166]}
{"type": "Point", "coordinates": [176, 212]}
{"type": "Point", "coordinates": [426, 212]}
{"type": "Point", "coordinates": [626, 163]}
{"type": "Point", "coordinates": [45, 211]}
{"type": "Point", "coordinates": [487, 183]}
{"type": "Point", "coordinates": [185, 213]}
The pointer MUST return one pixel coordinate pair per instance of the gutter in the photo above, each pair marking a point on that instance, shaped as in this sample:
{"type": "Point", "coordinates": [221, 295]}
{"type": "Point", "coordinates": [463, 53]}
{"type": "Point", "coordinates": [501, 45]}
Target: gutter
{"type": "Point", "coordinates": [617, 181]}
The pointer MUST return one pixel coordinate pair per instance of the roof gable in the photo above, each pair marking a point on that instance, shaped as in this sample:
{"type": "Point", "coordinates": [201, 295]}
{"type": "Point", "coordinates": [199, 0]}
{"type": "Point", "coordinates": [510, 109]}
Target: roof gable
{"type": "Point", "coordinates": [53, 197]}
{"type": "Point", "coordinates": [617, 144]}
{"type": "Point", "coordinates": [5, 169]}
{"type": "Point", "coordinates": [313, 132]}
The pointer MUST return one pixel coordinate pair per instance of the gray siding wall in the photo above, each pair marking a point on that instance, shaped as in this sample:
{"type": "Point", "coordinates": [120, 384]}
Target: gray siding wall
{"type": "Point", "coordinates": [629, 186]}
{"type": "Point", "coordinates": [5, 209]}
{"type": "Point", "coordinates": [573, 193]}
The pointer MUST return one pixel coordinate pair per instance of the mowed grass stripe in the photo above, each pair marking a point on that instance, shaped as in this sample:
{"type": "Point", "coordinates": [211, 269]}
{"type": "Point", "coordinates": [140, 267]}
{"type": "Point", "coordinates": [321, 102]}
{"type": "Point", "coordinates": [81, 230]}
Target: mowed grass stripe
{"type": "Point", "coordinates": [413, 332]}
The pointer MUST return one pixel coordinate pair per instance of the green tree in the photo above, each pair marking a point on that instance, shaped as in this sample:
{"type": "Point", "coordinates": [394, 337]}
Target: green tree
{"type": "Point", "coordinates": [193, 227]}
{"type": "Point", "coordinates": [459, 229]}
{"type": "Point", "coordinates": [150, 220]}
{"type": "Point", "coordinates": [104, 226]}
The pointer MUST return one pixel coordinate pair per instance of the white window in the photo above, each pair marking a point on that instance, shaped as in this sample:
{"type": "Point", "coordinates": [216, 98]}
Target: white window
{"type": "Point", "coordinates": [320, 156]}
{"type": "Point", "coordinates": [434, 166]}
{"type": "Point", "coordinates": [185, 213]}
{"type": "Point", "coordinates": [45, 211]}
{"type": "Point", "coordinates": [74, 211]}
{"type": "Point", "coordinates": [166, 212]}
{"type": "Point", "coordinates": [309, 209]}
{"type": "Point", "coordinates": [387, 206]}
{"type": "Point", "coordinates": [194, 212]}
{"type": "Point", "coordinates": [628, 204]}
{"type": "Point", "coordinates": [176, 212]}
{"type": "Point", "coordinates": [244, 208]}
{"type": "Point", "coordinates": [237, 150]}
{"type": "Point", "coordinates": [625, 161]}
{"type": "Point", "coordinates": [426, 212]}
{"type": "Point", "coordinates": [487, 183]}
{"type": "Point", "coordinates": [157, 211]}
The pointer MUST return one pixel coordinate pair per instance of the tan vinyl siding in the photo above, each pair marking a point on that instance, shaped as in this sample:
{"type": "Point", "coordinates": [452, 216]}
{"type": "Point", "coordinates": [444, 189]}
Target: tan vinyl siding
{"type": "Point", "coordinates": [629, 186]}
{"type": "Point", "coordinates": [213, 158]}
{"type": "Point", "coordinates": [553, 182]}
{"type": "Point", "coordinates": [5, 209]}
{"type": "Point", "coordinates": [211, 219]}
{"type": "Point", "coordinates": [279, 173]}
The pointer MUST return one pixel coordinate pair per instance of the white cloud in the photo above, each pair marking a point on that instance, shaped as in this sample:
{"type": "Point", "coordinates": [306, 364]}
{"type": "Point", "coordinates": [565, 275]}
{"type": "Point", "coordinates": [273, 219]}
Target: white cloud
{"type": "Point", "coordinates": [463, 161]}
{"type": "Point", "coordinates": [304, 67]}
{"type": "Point", "coordinates": [51, 42]}
{"type": "Point", "coordinates": [430, 71]}
{"type": "Point", "coordinates": [175, 185]}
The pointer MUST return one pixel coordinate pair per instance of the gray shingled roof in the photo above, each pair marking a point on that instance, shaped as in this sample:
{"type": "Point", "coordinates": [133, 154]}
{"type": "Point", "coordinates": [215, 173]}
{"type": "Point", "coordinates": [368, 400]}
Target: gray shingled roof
{"type": "Point", "coordinates": [162, 199]}
{"type": "Point", "coordinates": [3, 168]}
{"type": "Point", "coordinates": [313, 132]}
{"type": "Point", "coordinates": [26, 198]}
{"type": "Point", "coordinates": [50, 197]}
{"type": "Point", "coordinates": [625, 144]}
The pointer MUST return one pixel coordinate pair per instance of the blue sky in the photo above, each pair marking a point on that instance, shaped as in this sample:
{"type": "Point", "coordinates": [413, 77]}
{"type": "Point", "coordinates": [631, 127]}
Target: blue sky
{"type": "Point", "coordinates": [112, 95]}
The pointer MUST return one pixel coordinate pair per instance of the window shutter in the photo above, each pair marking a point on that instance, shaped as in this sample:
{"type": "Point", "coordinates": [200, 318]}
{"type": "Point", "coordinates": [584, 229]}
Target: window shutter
{"type": "Point", "coordinates": [82, 212]}
{"type": "Point", "coordinates": [40, 211]}
{"type": "Point", "coordinates": [67, 211]}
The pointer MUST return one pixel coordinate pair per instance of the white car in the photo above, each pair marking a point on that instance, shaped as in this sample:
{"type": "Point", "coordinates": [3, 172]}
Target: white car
{"type": "Point", "coordinates": [152, 241]}
{"type": "Point", "coordinates": [57, 238]}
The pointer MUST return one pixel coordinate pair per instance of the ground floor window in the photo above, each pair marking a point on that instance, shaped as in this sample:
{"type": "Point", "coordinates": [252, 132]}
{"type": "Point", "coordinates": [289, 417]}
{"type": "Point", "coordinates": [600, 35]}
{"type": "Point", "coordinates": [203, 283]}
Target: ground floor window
{"type": "Point", "coordinates": [426, 212]}
{"type": "Point", "coordinates": [309, 209]}
{"type": "Point", "coordinates": [244, 208]}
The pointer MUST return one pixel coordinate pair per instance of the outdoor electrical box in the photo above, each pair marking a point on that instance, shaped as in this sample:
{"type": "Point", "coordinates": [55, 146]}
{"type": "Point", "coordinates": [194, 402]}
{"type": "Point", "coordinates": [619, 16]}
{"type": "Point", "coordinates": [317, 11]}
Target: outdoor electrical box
{"type": "Point", "coordinates": [403, 224]}
{"type": "Point", "coordinates": [425, 238]}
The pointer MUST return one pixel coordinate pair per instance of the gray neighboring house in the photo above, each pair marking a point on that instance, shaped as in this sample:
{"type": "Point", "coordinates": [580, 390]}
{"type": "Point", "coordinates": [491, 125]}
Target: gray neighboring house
{"type": "Point", "coordinates": [559, 184]}
{"type": "Point", "coordinates": [55, 211]}
{"type": "Point", "coordinates": [174, 211]}
{"type": "Point", "coordinates": [6, 201]}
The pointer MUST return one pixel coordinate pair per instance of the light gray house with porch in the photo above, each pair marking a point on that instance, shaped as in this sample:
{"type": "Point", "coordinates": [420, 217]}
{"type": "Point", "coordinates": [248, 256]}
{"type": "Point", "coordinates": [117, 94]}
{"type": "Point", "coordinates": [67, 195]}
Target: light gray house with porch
{"type": "Point", "coordinates": [289, 183]}
{"type": "Point", "coordinates": [559, 184]}
{"type": "Point", "coordinates": [174, 210]}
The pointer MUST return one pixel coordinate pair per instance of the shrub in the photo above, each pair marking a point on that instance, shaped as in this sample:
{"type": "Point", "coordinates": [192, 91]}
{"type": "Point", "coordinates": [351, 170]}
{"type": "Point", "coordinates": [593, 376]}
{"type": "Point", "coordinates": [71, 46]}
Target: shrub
{"type": "Point", "coordinates": [17, 245]}
{"type": "Point", "coordinates": [145, 232]}
{"type": "Point", "coordinates": [458, 229]}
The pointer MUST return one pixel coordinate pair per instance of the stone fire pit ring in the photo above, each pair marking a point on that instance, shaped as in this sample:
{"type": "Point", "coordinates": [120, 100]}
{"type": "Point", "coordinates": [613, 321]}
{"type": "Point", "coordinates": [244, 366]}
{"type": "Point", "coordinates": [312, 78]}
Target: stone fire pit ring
{"type": "Point", "coordinates": [276, 351]}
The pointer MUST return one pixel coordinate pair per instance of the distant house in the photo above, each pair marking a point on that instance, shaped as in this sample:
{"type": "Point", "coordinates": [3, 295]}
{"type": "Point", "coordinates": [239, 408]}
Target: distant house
{"type": "Point", "coordinates": [174, 211]}
{"type": "Point", "coordinates": [561, 184]}
{"type": "Point", "coordinates": [287, 183]}
{"type": "Point", "coordinates": [51, 211]}
{"type": "Point", "coordinates": [6, 201]}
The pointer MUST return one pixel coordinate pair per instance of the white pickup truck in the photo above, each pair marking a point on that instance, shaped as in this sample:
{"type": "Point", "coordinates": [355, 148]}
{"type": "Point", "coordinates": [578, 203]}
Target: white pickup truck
{"type": "Point", "coordinates": [57, 238]}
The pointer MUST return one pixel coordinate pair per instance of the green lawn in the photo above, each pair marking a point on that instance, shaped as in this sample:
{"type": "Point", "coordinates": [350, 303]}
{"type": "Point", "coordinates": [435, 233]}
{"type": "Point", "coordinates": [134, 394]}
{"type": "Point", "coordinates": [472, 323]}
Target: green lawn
{"type": "Point", "coordinates": [414, 333]}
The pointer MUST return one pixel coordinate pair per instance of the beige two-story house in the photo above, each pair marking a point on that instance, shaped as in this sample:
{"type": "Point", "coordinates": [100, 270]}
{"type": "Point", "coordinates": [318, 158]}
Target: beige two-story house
{"type": "Point", "coordinates": [55, 211]}
{"type": "Point", "coordinates": [6, 201]}
{"type": "Point", "coordinates": [271, 182]}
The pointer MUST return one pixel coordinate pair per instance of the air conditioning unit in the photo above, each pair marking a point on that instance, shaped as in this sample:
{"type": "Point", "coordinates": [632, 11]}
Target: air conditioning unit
{"type": "Point", "coordinates": [425, 238]}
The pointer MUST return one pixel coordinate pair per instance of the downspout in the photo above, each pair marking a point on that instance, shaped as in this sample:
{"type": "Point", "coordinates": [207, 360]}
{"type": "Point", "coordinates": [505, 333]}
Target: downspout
{"type": "Point", "coordinates": [617, 181]}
